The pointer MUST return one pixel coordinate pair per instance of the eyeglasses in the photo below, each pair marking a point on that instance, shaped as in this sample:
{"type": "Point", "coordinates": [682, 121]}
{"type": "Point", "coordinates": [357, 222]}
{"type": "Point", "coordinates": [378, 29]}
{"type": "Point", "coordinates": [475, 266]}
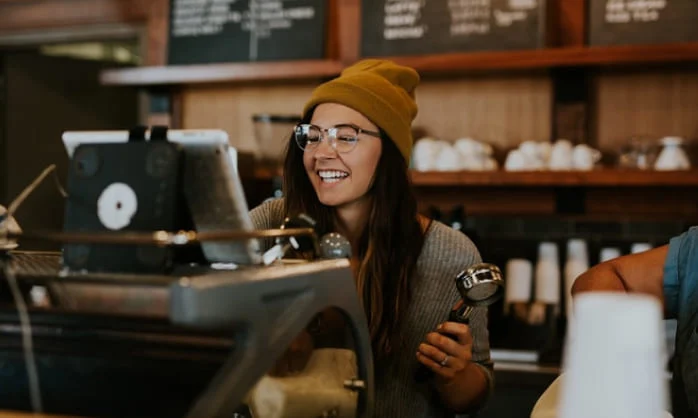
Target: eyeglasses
{"type": "Point", "coordinates": [342, 138]}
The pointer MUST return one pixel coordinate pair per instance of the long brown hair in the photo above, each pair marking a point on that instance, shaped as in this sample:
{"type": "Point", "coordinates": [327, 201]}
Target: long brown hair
{"type": "Point", "coordinates": [389, 245]}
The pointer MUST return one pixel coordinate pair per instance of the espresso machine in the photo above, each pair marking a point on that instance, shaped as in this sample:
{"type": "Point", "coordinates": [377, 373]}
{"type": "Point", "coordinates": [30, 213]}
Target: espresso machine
{"type": "Point", "coordinates": [159, 303]}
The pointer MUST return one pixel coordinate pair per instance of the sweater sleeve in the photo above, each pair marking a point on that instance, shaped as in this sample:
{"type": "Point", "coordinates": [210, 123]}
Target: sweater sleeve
{"type": "Point", "coordinates": [478, 318]}
{"type": "Point", "coordinates": [478, 322]}
{"type": "Point", "coordinates": [446, 253]}
{"type": "Point", "coordinates": [268, 215]}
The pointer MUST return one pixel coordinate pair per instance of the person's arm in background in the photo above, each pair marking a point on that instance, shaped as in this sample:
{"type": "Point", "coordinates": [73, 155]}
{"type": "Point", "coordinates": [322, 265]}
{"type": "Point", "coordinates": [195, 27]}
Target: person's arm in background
{"type": "Point", "coordinates": [666, 272]}
{"type": "Point", "coordinates": [637, 273]}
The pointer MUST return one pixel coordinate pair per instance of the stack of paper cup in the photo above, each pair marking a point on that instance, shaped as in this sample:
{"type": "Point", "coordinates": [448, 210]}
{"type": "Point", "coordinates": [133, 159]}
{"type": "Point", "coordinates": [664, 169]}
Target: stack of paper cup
{"type": "Point", "coordinates": [576, 264]}
{"type": "Point", "coordinates": [614, 358]}
{"type": "Point", "coordinates": [519, 277]}
{"type": "Point", "coordinates": [609, 253]}
{"type": "Point", "coordinates": [640, 247]}
{"type": "Point", "coordinates": [548, 274]}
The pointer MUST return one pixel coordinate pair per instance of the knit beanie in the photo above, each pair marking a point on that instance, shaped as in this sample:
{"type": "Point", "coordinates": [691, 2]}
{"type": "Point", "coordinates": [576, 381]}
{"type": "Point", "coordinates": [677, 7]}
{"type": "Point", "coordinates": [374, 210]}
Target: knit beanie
{"type": "Point", "coordinates": [380, 90]}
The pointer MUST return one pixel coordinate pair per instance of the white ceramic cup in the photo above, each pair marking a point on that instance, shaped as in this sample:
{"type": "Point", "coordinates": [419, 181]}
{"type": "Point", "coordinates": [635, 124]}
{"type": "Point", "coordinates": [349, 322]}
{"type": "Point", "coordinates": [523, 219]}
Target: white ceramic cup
{"type": "Point", "coordinates": [544, 150]}
{"type": "Point", "coordinates": [561, 155]}
{"type": "Point", "coordinates": [424, 154]}
{"type": "Point", "coordinates": [515, 161]}
{"type": "Point", "coordinates": [469, 147]}
{"type": "Point", "coordinates": [585, 157]}
{"type": "Point", "coordinates": [614, 358]}
{"type": "Point", "coordinates": [448, 159]}
{"type": "Point", "coordinates": [531, 152]}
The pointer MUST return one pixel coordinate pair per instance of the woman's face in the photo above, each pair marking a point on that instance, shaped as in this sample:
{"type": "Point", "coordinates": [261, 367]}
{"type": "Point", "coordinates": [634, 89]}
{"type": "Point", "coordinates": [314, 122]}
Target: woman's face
{"type": "Point", "coordinates": [341, 179]}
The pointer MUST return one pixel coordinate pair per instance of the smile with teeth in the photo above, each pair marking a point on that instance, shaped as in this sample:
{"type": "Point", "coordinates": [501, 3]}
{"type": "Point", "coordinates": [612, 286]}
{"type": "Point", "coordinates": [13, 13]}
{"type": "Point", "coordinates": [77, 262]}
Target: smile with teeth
{"type": "Point", "coordinates": [332, 176]}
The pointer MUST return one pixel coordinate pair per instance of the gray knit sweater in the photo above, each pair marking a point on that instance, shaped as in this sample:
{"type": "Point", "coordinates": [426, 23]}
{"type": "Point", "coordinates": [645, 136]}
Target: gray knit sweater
{"type": "Point", "coordinates": [445, 253]}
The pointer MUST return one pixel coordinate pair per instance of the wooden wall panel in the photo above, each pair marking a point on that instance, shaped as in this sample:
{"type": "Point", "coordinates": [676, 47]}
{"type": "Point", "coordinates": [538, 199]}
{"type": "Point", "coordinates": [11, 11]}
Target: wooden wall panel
{"type": "Point", "coordinates": [231, 107]}
{"type": "Point", "coordinates": [654, 102]}
{"type": "Point", "coordinates": [501, 110]}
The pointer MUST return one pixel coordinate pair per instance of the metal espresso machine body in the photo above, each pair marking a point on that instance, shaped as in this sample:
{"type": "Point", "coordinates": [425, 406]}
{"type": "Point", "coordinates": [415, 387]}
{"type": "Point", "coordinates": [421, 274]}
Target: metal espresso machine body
{"type": "Point", "coordinates": [196, 340]}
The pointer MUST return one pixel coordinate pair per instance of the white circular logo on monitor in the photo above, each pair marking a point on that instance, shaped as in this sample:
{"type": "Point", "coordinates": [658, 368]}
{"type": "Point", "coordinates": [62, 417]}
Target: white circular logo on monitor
{"type": "Point", "coordinates": [116, 206]}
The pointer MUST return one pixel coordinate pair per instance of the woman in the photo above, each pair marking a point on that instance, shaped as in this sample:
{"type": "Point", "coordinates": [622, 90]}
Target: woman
{"type": "Point", "coordinates": [347, 167]}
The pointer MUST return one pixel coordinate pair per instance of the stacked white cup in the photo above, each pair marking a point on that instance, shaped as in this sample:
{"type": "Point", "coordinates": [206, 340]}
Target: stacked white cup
{"type": "Point", "coordinates": [547, 281]}
{"type": "Point", "coordinates": [576, 264]}
{"type": "Point", "coordinates": [609, 253]}
{"type": "Point", "coordinates": [519, 277]}
{"type": "Point", "coordinates": [640, 247]}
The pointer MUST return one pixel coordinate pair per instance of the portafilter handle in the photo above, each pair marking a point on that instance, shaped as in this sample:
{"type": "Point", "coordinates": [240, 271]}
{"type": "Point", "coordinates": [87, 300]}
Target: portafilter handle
{"type": "Point", "coordinates": [479, 285]}
{"type": "Point", "coordinates": [461, 315]}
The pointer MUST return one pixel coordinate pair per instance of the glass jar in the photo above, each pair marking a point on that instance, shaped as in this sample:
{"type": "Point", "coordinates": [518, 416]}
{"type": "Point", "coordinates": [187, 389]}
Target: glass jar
{"type": "Point", "coordinates": [272, 133]}
{"type": "Point", "coordinates": [639, 153]}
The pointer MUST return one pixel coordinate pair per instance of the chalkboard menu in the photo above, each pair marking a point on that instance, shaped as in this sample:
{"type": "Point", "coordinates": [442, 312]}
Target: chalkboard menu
{"type": "Point", "coordinates": [613, 22]}
{"type": "Point", "coordinates": [411, 27]}
{"type": "Point", "coordinates": [208, 31]}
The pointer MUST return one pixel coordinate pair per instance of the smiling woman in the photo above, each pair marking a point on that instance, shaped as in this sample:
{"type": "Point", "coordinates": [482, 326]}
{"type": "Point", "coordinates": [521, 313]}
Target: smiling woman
{"type": "Point", "coordinates": [341, 178]}
{"type": "Point", "coordinates": [346, 166]}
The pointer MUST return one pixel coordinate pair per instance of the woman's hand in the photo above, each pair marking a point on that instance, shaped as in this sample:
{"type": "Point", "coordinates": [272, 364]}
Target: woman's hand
{"type": "Point", "coordinates": [447, 357]}
{"type": "Point", "coordinates": [461, 383]}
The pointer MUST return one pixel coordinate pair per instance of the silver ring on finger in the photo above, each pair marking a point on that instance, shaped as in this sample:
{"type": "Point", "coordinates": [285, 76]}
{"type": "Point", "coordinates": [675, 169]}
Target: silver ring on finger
{"type": "Point", "coordinates": [444, 362]}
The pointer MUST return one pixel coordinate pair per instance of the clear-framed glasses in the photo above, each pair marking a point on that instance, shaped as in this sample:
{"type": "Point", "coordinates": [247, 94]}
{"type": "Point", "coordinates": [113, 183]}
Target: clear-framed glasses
{"type": "Point", "coordinates": [342, 138]}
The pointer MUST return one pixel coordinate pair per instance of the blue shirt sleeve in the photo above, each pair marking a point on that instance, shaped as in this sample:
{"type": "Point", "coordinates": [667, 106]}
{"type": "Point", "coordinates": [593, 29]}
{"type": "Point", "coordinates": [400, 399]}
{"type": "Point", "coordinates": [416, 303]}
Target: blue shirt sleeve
{"type": "Point", "coordinates": [683, 251]}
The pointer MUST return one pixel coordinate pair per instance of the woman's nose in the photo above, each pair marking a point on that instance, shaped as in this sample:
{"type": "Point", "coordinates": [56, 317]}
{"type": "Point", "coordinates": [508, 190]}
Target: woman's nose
{"type": "Point", "coordinates": [325, 149]}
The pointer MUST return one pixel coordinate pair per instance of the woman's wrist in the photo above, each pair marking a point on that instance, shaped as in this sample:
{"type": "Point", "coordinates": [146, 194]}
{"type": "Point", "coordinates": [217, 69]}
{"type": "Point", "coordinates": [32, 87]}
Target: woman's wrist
{"type": "Point", "coordinates": [466, 390]}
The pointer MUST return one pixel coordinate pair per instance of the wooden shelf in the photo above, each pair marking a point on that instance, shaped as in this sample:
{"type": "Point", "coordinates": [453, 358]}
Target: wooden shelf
{"type": "Point", "coordinates": [441, 63]}
{"type": "Point", "coordinates": [553, 57]}
{"type": "Point", "coordinates": [606, 177]}
{"type": "Point", "coordinates": [215, 73]}
{"type": "Point", "coordinates": [595, 178]}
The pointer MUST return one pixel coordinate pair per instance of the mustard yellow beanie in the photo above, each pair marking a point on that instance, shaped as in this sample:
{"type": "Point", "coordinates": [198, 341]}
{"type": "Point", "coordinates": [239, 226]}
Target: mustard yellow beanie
{"type": "Point", "coordinates": [380, 90]}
